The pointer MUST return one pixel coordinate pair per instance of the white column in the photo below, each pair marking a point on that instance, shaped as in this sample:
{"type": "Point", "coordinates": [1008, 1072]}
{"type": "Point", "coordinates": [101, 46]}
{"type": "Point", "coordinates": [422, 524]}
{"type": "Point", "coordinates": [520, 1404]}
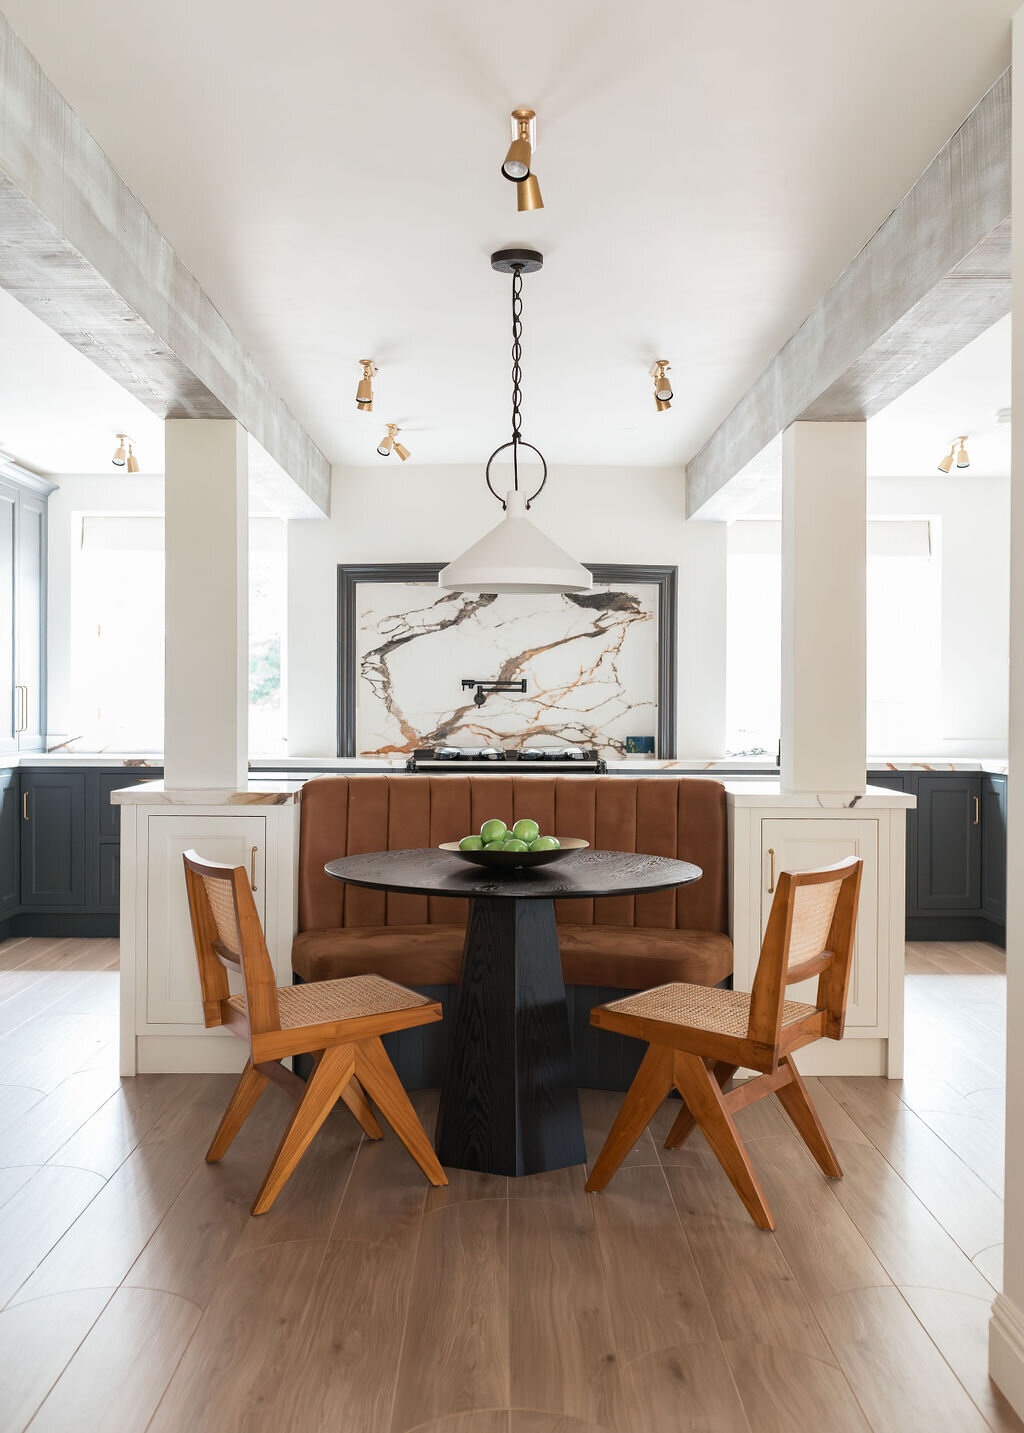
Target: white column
{"type": "Point", "coordinates": [206, 620]}
{"type": "Point", "coordinates": [824, 508]}
{"type": "Point", "coordinates": [1006, 1331]}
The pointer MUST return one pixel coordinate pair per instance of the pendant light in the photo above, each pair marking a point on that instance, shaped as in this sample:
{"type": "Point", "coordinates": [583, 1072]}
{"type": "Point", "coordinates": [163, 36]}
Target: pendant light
{"type": "Point", "coordinates": [515, 556]}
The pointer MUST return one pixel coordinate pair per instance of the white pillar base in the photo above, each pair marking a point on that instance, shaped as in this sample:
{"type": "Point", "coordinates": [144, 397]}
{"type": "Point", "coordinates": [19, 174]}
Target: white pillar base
{"type": "Point", "coordinates": [1006, 1351]}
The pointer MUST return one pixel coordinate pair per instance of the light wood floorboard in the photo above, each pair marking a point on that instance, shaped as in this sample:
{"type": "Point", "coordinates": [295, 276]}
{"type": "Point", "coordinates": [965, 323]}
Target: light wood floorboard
{"type": "Point", "coordinates": [137, 1294]}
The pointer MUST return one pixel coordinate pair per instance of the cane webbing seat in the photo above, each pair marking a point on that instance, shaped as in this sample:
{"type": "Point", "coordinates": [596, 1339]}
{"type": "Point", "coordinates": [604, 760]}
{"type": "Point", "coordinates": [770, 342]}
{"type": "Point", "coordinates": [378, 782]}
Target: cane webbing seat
{"type": "Point", "coordinates": [725, 1012]}
{"type": "Point", "coordinates": [338, 1022]}
{"type": "Point", "coordinates": [697, 1038]}
{"type": "Point", "coordinates": [346, 999]}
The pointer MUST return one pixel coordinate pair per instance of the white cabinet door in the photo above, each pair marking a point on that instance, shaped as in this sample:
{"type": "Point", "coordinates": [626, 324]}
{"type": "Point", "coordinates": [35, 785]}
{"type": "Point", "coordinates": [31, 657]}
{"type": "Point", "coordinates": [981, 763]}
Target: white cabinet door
{"type": "Point", "coordinates": [800, 844]}
{"type": "Point", "coordinates": [172, 985]}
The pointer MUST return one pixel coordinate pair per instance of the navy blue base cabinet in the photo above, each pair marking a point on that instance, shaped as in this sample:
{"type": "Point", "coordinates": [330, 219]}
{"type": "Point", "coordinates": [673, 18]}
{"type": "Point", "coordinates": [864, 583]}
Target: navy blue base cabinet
{"type": "Point", "coordinates": [956, 853]}
{"type": "Point", "coordinates": [60, 849]}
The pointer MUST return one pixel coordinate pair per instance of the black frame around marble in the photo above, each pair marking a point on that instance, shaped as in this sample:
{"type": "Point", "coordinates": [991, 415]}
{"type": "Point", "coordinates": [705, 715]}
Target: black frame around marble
{"type": "Point", "coordinates": [665, 579]}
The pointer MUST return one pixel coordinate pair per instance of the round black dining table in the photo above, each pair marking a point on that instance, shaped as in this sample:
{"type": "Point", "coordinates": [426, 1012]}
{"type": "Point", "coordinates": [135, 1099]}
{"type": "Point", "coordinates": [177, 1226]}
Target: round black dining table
{"type": "Point", "coordinates": [509, 1103]}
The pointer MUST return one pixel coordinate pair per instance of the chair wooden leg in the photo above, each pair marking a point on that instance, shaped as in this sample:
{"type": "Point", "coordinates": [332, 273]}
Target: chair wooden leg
{"type": "Point", "coordinates": [797, 1103]}
{"type": "Point", "coordinates": [250, 1086]}
{"type": "Point", "coordinates": [325, 1084]}
{"type": "Point", "coordinates": [355, 1098]}
{"type": "Point", "coordinates": [685, 1124]}
{"type": "Point", "coordinates": [701, 1092]}
{"type": "Point", "coordinates": [384, 1087]}
{"type": "Point", "coordinates": [651, 1084]}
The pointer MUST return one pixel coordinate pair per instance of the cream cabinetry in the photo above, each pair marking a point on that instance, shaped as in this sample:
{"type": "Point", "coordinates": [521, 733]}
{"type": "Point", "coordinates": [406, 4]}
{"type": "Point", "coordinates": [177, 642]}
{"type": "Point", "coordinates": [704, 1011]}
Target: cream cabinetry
{"type": "Point", "coordinates": [795, 844]}
{"type": "Point", "coordinates": [771, 832]}
{"type": "Point", "coordinates": [161, 1011]}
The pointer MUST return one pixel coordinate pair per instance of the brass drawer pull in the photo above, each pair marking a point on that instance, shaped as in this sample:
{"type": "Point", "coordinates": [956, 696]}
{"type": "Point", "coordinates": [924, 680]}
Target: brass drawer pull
{"type": "Point", "coordinates": [24, 805]}
{"type": "Point", "coordinates": [771, 868]}
{"type": "Point", "coordinates": [252, 867]}
{"type": "Point", "coordinates": [977, 810]}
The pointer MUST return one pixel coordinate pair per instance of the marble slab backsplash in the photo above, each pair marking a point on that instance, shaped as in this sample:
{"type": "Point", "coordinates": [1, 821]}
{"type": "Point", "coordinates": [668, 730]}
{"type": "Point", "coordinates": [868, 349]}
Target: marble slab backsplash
{"type": "Point", "coordinates": [590, 661]}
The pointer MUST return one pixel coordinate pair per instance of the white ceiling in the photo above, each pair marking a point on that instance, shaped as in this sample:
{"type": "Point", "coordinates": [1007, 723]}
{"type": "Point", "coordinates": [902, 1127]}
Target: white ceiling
{"type": "Point", "coordinates": [59, 413]}
{"type": "Point", "coordinates": [329, 171]}
{"type": "Point", "coordinates": [964, 395]}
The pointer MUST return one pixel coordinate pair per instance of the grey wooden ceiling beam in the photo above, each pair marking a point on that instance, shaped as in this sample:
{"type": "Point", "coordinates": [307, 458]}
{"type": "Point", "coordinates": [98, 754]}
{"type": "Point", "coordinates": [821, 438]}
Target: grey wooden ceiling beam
{"type": "Point", "coordinates": [933, 277]}
{"type": "Point", "coordinates": [80, 251]}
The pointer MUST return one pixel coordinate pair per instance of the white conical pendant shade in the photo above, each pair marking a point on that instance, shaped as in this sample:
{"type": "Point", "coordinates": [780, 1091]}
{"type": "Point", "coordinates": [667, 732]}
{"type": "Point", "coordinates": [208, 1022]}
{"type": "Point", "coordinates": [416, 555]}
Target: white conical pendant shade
{"type": "Point", "coordinates": [515, 556]}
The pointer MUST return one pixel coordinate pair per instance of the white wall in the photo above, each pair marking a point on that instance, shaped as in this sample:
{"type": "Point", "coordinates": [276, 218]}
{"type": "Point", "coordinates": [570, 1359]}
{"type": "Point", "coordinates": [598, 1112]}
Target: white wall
{"type": "Point", "coordinates": [80, 494]}
{"type": "Point", "coordinates": [974, 525]}
{"type": "Point", "coordinates": [389, 513]}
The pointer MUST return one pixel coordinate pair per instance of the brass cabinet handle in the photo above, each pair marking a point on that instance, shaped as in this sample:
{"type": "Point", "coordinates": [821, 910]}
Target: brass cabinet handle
{"type": "Point", "coordinates": [977, 810]}
{"type": "Point", "coordinates": [24, 805]}
{"type": "Point", "coordinates": [252, 867]}
{"type": "Point", "coordinates": [771, 868]}
{"type": "Point", "coordinates": [22, 707]}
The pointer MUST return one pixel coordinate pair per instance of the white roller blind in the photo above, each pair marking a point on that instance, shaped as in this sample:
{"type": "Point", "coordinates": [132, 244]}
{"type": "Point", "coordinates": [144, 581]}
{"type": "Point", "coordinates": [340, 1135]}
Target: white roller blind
{"type": "Point", "coordinates": [886, 537]}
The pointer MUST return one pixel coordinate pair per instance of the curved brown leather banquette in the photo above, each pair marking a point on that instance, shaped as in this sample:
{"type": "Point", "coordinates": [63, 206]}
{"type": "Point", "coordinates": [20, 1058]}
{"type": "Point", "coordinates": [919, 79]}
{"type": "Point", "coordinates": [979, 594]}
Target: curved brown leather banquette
{"type": "Point", "coordinates": [625, 942]}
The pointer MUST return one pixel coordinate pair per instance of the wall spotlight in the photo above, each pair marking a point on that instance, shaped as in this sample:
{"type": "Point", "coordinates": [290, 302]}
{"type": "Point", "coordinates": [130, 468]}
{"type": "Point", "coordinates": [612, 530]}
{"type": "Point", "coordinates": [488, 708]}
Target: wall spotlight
{"type": "Point", "coordinates": [120, 456]}
{"type": "Point", "coordinates": [132, 465]}
{"type": "Point", "coordinates": [364, 392]}
{"type": "Point", "coordinates": [962, 460]}
{"type": "Point", "coordinates": [516, 164]}
{"type": "Point", "coordinates": [947, 462]}
{"type": "Point", "coordinates": [386, 444]}
{"type": "Point", "coordinates": [662, 387]}
{"type": "Point", "coordinates": [402, 452]}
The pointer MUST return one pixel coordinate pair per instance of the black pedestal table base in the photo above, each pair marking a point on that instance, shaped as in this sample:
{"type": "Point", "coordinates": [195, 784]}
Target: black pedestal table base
{"type": "Point", "coordinates": [509, 1103]}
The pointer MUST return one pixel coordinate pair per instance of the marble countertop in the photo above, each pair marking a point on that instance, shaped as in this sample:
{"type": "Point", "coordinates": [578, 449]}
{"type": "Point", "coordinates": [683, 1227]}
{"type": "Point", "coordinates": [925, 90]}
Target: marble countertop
{"type": "Point", "coordinates": [258, 793]}
{"type": "Point", "coordinates": [770, 793]}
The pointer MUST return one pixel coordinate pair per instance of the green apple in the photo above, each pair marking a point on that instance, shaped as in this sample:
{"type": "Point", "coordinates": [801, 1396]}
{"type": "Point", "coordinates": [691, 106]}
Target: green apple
{"type": "Point", "coordinates": [526, 830]}
{"type": "Point", "coordinates": [513, 844]}
{"type": "Point", "coordinates": [494, 845]}
{"type": "Point", "coordinates": [545, 843]}
{"type": "Point", "coordinates": [493, 830]}
{"type": "Point", "coordinates": [471, 843]}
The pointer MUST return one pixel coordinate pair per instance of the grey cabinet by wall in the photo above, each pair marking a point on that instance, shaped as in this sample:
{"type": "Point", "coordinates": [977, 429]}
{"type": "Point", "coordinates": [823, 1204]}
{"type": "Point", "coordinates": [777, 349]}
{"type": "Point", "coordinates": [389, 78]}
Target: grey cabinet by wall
{"type": "Point", "coordinates": [60, 852]}
{"type": "Point", "coordinates": [956, 853]}
{"type": "Point", "coordinates": [993, 848]}
{"type": "Point", "coordinates": [22, 612]}
{"type": "Point", "coordinates": [53, 838]}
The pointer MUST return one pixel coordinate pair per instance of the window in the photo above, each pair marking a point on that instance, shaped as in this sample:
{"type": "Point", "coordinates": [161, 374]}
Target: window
{"type": "Point", "coordinates": [753, 679]}
{"type": "Point", "coordinates": [904, 632]}
{"type": "Point", "coordinates": [117, 633]}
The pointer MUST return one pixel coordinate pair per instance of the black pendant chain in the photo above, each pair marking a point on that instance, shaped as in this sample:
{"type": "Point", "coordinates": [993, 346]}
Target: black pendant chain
{"type": "Point", "coordinates": [517, 369]}
{"type": "Point", "coordinates": [517, 394]}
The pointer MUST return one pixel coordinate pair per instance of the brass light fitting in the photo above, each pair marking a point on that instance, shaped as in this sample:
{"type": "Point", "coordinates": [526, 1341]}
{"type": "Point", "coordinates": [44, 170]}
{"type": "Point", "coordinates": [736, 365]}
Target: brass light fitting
{"type": "Point", "coordinates": [388, 444]}
{"type": "Point", "coordinates": [662, 387]}
{"type": "Point", "coordinates": [518, 162]}
{"type": "Point", "coordinates": [364, 392]}
{"type": "Point", "coordinates": [132, 465]}
{"type": "Point", "coordinates": [961, 458]}
{"type": "Point", "coordinates": [120, 456]}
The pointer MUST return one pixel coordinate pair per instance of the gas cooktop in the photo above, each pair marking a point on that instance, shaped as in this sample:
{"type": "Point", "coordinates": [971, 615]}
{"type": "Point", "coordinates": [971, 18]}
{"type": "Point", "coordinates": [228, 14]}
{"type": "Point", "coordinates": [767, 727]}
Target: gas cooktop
{"type": "Point", "coordinates": [436, 758]}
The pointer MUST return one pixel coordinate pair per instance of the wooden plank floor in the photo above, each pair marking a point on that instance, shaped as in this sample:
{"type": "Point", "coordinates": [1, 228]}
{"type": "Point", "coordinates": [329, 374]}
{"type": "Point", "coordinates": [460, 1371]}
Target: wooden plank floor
{"type": "Point", "coordinates": [136, 1292]}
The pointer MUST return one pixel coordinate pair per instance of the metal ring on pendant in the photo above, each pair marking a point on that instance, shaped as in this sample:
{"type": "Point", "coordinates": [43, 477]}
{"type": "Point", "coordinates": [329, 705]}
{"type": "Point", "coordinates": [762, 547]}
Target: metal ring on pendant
{"type": "Point", "coordinates": [518, 443]}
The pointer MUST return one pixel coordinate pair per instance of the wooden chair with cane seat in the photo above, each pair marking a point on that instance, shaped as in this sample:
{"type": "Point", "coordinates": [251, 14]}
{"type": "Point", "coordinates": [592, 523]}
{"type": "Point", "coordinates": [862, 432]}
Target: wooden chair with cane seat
{"type": "Point", "coordinates": [699, 1037]}
{"type": "Point", "coordinates": [339, 1022]}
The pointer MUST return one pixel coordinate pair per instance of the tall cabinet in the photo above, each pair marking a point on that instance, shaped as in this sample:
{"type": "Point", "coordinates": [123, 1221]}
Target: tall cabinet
{"type": "Point", "coordinates": [23, 499]}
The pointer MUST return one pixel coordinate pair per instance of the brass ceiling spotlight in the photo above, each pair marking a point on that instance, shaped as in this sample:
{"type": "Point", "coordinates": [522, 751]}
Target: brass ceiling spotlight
{"type": "Point", "coordinates": [517, 165]}
{"type": "Point", "coordinates": [389, 445]}
{"type": "Point", "coordinates": [132, 465]}
{"type": "Point", "coordinates": [962, 460]}
{"type": "Point", "coordinates": [120, 456]}
{"type": "Point", "coordinates": [662, 387]}
{"type": "Point", "coordinates": [364, 392]}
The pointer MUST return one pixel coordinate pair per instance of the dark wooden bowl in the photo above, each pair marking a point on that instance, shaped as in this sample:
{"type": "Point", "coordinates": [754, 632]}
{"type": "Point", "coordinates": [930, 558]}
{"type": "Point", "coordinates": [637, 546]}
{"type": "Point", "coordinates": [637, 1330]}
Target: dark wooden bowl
{"type": "Point", "coordinates": [516, 860]}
